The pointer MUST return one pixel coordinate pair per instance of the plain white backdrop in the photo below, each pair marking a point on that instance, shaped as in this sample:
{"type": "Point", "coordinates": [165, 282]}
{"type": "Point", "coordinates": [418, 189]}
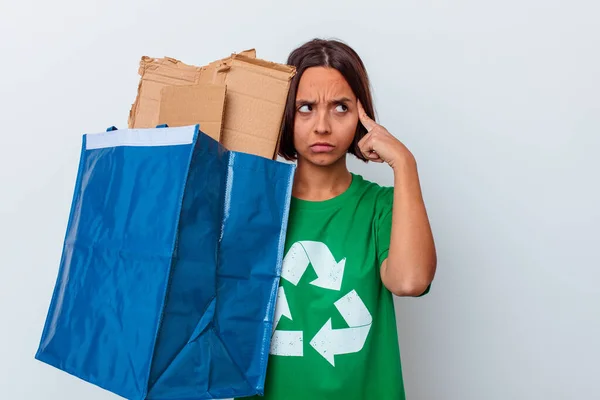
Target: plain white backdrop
{"type": "Point", "coordinates": [499, 101]}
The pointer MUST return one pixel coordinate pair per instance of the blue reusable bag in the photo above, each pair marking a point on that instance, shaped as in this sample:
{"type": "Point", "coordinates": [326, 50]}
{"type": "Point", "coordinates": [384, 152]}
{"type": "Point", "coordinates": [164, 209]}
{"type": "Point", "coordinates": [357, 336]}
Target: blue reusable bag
{"type": "Point", "coordinates": [170, 267]}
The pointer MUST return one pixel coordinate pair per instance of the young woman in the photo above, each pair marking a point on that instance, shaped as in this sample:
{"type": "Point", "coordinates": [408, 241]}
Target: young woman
{"type": "Point", "coordinates": [351, 243]}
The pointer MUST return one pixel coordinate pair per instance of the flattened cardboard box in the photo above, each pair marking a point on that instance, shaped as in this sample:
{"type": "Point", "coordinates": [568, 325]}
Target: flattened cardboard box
{"type": "Point", "coordinates": [157, 73]}
{"type": "Point", "coordinates": [256, 93]}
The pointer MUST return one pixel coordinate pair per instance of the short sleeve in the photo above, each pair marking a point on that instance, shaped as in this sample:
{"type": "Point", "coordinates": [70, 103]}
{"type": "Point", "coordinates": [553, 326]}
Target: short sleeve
{"type": "Point", "coordinates": [383, 222]}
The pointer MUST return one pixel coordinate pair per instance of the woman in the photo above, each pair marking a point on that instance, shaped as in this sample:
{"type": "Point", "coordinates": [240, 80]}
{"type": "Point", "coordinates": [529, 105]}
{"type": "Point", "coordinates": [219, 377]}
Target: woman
{"type": "Point", "coordinates": [351, 243]}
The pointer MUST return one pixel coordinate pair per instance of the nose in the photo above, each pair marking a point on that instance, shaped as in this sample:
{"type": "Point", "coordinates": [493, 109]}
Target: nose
{"type": "Point", "coordinates": [322, 125]}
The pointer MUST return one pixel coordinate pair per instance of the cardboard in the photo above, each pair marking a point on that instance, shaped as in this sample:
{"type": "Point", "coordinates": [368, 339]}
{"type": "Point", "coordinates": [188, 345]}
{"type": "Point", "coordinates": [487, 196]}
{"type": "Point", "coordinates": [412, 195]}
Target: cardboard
{"type": "Point", "coordinates": [255, 97]}
{"type": "Point", "coordinates": [156, 73]}
{"type": "Point", "coordinates": [202, 104]}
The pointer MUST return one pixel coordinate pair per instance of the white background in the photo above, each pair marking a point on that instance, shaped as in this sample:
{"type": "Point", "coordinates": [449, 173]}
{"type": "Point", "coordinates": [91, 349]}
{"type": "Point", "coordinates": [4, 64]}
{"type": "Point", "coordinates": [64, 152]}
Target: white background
{"type": "Point", "coordinates": [499, 101]}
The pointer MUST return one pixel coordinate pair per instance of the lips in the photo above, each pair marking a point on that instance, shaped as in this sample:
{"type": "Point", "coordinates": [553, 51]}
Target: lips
{"type": "Point", "coordinates": [322, 147]}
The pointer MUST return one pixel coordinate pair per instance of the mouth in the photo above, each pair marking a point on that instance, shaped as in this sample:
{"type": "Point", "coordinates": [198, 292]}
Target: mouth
{"type": "Point", "coordinates": [322, 147]}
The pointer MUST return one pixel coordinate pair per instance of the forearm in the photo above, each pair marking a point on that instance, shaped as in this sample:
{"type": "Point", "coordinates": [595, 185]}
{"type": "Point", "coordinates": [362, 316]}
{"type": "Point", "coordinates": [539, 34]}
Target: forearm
{"type": "Point", "coordinates": [412, 260]}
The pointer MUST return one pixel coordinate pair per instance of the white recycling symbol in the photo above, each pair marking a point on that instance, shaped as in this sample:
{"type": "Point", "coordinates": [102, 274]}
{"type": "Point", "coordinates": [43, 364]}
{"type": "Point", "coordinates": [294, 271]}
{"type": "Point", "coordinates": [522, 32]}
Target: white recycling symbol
{"type": "Point", "coordinates": [328, 342]}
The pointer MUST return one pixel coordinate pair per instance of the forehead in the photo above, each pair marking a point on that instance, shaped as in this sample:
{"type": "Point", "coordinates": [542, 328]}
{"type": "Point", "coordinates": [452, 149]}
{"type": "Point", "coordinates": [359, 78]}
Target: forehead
{"type": "Point", "coordinates": [323, 83]}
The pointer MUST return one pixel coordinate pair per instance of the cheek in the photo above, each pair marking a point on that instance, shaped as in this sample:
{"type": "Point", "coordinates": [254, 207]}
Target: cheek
{"type": "Point", "coordinates": [300, 131]}
{"type": "Point", "coordinates": [347, 128]}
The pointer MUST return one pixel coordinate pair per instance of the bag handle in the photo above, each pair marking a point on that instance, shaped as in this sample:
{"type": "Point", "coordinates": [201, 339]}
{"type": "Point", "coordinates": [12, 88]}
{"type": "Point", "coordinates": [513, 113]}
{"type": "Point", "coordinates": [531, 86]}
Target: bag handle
{"type": "Point", "coordinates": [114, 128]}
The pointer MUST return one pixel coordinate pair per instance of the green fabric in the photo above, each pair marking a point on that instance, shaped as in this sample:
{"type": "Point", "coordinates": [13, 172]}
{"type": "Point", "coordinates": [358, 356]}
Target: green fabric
{"type": "Point", "coordinates": [354, 226]}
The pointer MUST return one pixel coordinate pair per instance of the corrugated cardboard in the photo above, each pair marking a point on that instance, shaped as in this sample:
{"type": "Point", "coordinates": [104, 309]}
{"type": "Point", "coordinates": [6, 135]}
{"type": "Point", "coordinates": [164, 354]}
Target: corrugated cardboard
{"type": "Point", "coordinates": [156, 73]}
{"type": "Point", "coordinates": [256, 93]}
{"type": "Point", "coordinates": [202, 104]}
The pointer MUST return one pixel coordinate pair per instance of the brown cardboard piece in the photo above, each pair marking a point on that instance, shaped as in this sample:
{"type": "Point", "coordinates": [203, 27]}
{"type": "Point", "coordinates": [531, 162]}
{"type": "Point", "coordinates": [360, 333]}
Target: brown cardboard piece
{"type": "Point", "coordinates": [256, 93]}
{"type": "Point", "coordinates": [156, 73]}
{"type": "Point", "coordinates": [202, 104]}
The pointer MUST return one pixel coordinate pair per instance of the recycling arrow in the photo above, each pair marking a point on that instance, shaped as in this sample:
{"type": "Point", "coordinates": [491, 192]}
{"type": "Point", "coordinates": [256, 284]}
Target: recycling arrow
{"type": "Point", "coordinates": [282, 308]}
{"type": "Point", "coordinates": [329, 272]}
{"type": "Point", "coordinates": [330, 342]}
{"type": "Point", "coordinates": [285, 343]}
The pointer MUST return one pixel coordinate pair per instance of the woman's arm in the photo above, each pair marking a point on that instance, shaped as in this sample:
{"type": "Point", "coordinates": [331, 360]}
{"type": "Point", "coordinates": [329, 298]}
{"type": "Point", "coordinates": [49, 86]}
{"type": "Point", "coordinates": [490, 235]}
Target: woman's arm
{"type": "Point", "coordinates": [411, 263]}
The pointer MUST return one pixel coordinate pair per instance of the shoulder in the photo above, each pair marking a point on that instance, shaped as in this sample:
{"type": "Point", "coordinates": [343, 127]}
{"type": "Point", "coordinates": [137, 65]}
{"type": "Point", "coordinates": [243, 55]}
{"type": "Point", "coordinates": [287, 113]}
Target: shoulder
{"type": "Point", "coordinates": [371, 192]}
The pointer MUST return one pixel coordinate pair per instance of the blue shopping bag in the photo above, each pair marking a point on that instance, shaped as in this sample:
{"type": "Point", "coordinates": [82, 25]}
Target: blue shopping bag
{"type": "Point", "coordinates": [168, 279]}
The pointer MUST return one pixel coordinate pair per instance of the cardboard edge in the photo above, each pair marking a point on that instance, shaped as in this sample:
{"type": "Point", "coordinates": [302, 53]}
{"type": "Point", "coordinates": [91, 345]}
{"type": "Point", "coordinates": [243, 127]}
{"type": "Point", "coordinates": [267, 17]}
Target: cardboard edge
{"type": "Point", "coordinates": [133, 110]}
{"type": "Point", "coordinates": [223, 114]}
{"type": "Point", "coordinates": [251, 53]}
{"type": "Point", "coordinates": [267, 64]}
{"type": "Point", "coordinates": [278, 143]}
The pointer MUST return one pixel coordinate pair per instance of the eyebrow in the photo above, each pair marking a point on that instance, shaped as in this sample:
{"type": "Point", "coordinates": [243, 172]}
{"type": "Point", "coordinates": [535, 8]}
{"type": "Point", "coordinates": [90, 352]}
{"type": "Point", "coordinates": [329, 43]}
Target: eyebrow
{"type": "Point", "coordinates": [340, 100]}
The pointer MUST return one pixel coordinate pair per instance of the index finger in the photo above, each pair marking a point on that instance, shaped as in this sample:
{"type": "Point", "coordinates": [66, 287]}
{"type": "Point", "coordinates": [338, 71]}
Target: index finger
{"type": "Point", "coordinates": [364, 118]}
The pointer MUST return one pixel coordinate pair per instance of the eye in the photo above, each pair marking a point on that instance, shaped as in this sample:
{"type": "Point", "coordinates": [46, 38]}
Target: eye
{"type": "Point", "coordinates": [342, 108]}
{"type": "Point", "coordinates": [306, 108]}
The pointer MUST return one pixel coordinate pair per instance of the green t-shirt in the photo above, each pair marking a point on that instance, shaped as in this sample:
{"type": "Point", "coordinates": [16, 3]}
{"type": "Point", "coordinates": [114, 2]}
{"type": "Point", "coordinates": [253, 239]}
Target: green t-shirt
{"type": "Point", "coordinates": [335, 328]}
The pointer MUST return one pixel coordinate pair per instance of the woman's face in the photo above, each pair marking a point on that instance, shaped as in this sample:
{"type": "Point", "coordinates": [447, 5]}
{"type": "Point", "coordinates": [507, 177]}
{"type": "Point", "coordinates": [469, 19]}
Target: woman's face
{"type": "Point", "coordinates": [326, 116]}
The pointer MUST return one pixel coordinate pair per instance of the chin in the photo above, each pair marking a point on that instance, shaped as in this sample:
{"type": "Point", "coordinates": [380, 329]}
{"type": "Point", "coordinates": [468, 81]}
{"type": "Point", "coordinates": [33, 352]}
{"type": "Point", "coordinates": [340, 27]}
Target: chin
{"type": "Point", "coordinates": [324, 159]}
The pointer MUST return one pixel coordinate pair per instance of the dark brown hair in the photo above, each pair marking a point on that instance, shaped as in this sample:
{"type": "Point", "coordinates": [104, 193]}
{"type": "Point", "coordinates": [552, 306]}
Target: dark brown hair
{"type": "Point", "coordinates": [332, 54]}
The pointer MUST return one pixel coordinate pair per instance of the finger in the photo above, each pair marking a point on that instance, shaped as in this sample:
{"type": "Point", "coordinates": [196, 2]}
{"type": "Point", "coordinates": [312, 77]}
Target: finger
{"type": "Point", "coordinates": [365, 146]}
{"type": "Point", "coordinates": [374, 157]}
{"type": "Point", "coordinates": [365, 120]}
{"type": "Point", "coordinates": [363, 140]}
{"type": "Point", "coordinates": [366, 152]}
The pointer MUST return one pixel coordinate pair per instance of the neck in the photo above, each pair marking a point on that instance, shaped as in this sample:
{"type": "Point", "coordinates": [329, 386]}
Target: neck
{"type": "Point", "coordinates": [316, 183]}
